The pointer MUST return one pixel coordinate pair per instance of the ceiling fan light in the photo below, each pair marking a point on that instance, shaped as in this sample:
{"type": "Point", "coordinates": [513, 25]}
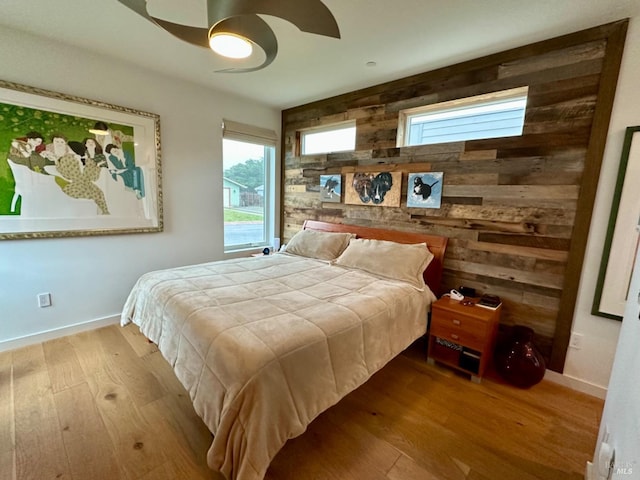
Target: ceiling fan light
{"type": "Point", "coordinates": [230, 45]}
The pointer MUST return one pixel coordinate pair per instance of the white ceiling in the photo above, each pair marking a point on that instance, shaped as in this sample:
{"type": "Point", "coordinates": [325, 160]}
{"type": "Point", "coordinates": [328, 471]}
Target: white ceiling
{"type": "Point", "coordinates": [403, 37]}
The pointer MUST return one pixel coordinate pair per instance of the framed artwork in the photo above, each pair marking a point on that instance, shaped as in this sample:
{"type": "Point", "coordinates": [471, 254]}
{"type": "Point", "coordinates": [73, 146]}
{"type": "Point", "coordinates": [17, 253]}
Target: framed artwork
{"type": "Point", "coordinates": [622, 239]}
{"type": "Point", "coordinates": [330, 188]}
{"type": "Point", "coordinates": [424, 190]}
{"type": "Point", "coordinates": [70, 166]}
{"type": "Point", "coordinates": [380, 189]}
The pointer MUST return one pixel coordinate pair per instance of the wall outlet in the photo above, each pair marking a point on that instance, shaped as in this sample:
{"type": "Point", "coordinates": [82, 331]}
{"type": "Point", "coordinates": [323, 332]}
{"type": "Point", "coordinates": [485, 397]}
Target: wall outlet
{"type": "Point", "coordinates": [576, 341]}
{"type": "Point", "coordinates": [44, 300]}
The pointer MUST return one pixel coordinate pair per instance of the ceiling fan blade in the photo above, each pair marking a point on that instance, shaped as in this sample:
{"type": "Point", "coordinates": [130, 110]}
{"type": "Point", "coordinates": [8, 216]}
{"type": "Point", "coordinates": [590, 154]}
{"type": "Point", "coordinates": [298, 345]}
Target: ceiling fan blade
{"type": "Point", "coordinates": [138, 6]}
{"type": "Point", "coordinates": [311, 16]}
{"type": "Point", "coordinates": [255, 29]}
{"type": "Point", "coordinates": [194, 35]}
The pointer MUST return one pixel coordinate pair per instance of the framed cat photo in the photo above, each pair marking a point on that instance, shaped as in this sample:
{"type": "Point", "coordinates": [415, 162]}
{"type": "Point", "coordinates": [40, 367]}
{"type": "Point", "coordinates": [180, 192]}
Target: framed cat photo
{"type": "Point", "coordinates": [424, 190]}
{"type": "Point", "coordinates": [331, 188]}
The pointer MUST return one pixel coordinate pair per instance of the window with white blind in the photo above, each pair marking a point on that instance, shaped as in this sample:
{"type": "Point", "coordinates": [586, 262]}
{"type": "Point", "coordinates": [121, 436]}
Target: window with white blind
{"type": "Point", "coordinates": [248, 156]}
{"type": "Point", "coordinates": [498, 114]}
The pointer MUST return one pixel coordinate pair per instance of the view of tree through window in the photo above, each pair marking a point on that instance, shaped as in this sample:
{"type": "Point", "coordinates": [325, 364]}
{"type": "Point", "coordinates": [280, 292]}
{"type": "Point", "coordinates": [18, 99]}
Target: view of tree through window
{"type": "Point", "coordinates": [246, 193]}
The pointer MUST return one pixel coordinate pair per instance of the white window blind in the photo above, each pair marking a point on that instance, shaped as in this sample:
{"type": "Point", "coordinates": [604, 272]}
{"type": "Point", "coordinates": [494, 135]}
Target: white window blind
{"type": "Point", "coordinates": [248, 133]}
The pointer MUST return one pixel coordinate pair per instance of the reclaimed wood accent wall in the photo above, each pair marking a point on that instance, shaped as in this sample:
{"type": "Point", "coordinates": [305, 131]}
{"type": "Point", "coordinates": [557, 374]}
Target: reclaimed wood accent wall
{"type": "Point", "coordinates": [516, 210]}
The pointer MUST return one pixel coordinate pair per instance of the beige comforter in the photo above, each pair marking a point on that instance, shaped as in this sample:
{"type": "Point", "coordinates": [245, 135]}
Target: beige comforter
{"type": "Point", "coordinates": [264, 345]}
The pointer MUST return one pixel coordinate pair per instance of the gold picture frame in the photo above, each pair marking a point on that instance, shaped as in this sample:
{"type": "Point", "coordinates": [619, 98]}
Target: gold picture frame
{"type": "Point", "coordinates": [70, 166]}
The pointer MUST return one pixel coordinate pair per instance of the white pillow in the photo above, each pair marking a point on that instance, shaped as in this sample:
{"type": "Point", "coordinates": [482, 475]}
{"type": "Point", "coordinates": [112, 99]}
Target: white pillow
{"type": "Point", "coordinates": [397, 261]}
{"type": "Point", "coordinates": [320, 245]}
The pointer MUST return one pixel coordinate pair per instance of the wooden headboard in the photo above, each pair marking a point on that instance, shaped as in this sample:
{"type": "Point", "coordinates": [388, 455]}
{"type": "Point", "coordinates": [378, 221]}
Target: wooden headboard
{"type": "Point", "coordinates": [436, 244]}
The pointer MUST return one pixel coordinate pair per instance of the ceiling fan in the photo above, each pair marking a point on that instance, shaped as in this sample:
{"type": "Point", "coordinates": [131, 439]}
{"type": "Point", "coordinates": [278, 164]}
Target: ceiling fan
{"type": "Point", "coordinates": [234, 25]}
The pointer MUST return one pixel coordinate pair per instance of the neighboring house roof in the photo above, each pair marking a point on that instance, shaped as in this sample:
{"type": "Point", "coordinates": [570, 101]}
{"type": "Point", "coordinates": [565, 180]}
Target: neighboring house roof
{"type": "Point", "coordinates": [235, 183]}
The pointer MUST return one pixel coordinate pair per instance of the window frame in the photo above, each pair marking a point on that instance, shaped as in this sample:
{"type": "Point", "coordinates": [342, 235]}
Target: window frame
{"type": "Point", "coordinates": [405, 115]}
{"type": "Point", "coordinates": [327, 128]}
{"type": "Point", "coordinates": [267, 139]}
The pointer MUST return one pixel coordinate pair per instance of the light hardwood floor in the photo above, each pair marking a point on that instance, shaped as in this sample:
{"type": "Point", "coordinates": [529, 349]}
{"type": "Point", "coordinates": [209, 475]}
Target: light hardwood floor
{"type": "Point", "coordinates": [105, 405]}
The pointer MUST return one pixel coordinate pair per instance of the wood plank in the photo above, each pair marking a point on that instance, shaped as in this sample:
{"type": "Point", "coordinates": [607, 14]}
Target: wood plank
{"type": "Point", "coordinates": [181, 416]}
{"type": "Point", "coordinates": [84, 433]}
{"type": "Point", "coordinates": [469, 155]}
{"type": "Point", "coordinates": [523, 251]}
{"type": "Point", "coordinates": [142, 386]}
{"type": "Point", "coordinates": [512, 275]}
{"type": "Point", "coordinates": [7, 418]}
{"type": "Point", "coordinates": [89, 352]}
{"type": "Point", "coordinates": [64, 369]}
{"type": "Point", "coordinates": [295, 188]}
{"type": "Point", "coordinates": [556, 58]}
{"type": "Point", "coordinates": [172, 441]}
{"type": "Point", "coordinates": [40, 451]}
{"type": "Point", "coordinates": [137, 341]}
{"type": "Point", "coordinates": [507, 192]}
{"type": "Point", "coordinates": [135, 442]}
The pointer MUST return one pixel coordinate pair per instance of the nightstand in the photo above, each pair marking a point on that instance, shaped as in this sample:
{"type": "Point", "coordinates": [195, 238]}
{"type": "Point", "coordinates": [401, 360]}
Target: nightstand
{"type": "Point", "coordinates": [463, 336]}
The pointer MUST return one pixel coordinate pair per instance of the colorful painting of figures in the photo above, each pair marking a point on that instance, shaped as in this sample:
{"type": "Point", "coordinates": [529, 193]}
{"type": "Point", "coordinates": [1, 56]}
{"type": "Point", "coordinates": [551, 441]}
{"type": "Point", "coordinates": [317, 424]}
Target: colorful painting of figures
{"type": "Point", "coordinates": [70, 166]}
{"type": "Point", "coordinates": [424, 190]}
{"type": "Point", "coordinates": [330, 188]}
{"type": "Point", "coordinates": [60, 166]}
{"type": "Point", "coordinates": [373, 188]}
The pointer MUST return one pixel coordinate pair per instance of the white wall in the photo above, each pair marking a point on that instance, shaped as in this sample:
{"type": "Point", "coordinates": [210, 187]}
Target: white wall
{"type": "Point", "coordinates": [90, 277]}
{"type": "Point", "coordinates": [620, 425]}
{"type": "Point", "coordinates": [591, 365]}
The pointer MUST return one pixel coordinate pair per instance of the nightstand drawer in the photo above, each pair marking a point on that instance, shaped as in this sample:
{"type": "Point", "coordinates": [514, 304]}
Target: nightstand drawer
{"type": "Point", "coordinates": [460, 329]}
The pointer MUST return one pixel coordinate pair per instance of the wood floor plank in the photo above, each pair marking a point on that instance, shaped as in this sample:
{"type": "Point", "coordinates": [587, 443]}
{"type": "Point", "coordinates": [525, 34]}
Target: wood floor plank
{"type": "Point", "coordinates": [137, 340]}
{"type": "Point", "coordinates": [89, 450]}
{"type": "Point", "coordinates": [89, 352]}
{"type": "Point", "coordinates": [347, 458]}
{"type": "Point", "coordinates": [7, 418]}
{"type": "Point", "coordinates": [406, 469]}
{"type": "Point", "coordinates": [62, 364]}
{"type": "Point", "coordinates": [40, 450]}
{"type": "Point", "coordinates": [294, 462]}
{"type": "Point", "coordinates": [177, 401]}
{"type": "Point", "coordinates": [141, 384]}
{"type": "Point", "coordinates": [134, 440]}
{"type": "Point", "coordinates": [185, 462]}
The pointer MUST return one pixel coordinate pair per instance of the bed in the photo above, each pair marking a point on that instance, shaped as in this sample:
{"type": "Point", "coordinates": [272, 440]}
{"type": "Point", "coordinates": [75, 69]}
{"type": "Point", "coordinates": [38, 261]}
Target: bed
{"type": "Point", "coordinates": [265, 344]}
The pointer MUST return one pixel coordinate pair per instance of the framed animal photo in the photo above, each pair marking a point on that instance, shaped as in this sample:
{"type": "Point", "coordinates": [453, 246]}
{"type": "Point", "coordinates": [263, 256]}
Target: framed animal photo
{"type": "Point", "coordinates": [424, 190]}
{"type": "Point", "coordinates": [381, 189]}
{"type": "Point", "coordinates": [330, 188]}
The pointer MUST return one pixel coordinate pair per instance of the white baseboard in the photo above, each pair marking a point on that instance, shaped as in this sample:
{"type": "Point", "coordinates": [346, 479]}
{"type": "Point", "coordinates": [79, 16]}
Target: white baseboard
{"type": "Point", "coordinates": [576, 384]}
{"type": "Point", "coordinates": [39, 337]}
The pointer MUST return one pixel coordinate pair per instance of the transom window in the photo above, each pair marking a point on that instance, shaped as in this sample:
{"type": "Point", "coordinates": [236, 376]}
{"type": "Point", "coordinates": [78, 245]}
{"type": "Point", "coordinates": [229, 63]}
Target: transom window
{"type": "Point", "coordinates": [498, 114]}
{"type": "Point", "coordinates": [332, 138]}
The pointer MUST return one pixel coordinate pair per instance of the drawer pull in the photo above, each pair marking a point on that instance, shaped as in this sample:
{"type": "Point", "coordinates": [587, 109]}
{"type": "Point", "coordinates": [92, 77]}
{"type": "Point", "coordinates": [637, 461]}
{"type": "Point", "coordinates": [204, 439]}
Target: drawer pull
{"type": "Point", "coordinates": [457, 322]}
{"type": "Point", "coordinates": [454, 336]}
